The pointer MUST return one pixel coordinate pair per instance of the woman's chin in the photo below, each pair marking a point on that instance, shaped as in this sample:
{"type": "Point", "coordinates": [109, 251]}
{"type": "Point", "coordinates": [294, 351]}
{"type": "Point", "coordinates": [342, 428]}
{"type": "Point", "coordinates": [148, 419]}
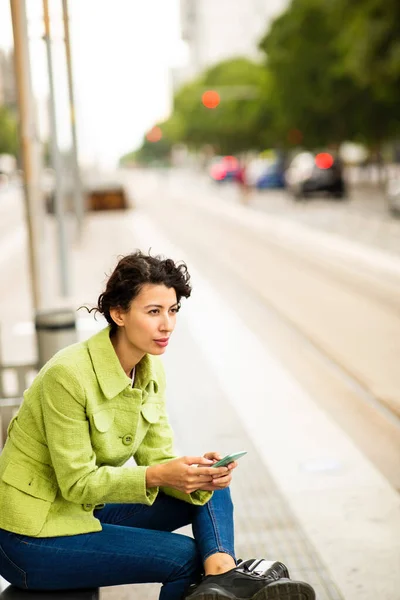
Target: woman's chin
{"type": "Point", "coordinates": [157, 351]}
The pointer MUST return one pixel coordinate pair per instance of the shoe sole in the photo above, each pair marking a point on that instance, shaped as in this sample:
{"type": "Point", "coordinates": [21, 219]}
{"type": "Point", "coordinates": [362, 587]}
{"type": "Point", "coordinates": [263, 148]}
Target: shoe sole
{"type": "Point", "coordinates": [281, 590]}
{"type": "Point", "coordinates": [285, 589]}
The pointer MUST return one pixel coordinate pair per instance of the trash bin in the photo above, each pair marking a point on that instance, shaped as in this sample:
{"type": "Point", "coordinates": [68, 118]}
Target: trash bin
{"type": "Point", "coordinates": [55, 329]}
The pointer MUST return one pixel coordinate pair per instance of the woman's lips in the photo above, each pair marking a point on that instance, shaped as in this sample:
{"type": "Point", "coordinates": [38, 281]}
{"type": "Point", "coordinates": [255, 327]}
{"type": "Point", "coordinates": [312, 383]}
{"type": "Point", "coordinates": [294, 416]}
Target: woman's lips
{"type": "Point", "coordinates": [162, 342]}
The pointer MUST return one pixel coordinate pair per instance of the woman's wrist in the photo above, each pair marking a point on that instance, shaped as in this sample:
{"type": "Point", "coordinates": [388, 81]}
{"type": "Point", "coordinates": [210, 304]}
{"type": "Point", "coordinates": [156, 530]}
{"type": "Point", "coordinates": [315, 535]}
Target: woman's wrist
{"type": "Point", "coordinates": [153, 478]}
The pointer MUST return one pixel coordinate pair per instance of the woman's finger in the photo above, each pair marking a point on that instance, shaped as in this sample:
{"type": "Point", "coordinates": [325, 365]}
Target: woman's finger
{"type": "Point", "coordinates": [222, 480]}
{"type": "Point", "coordinates": [213, 455]}
{"type": "Point", "coordinates": [200, 479]}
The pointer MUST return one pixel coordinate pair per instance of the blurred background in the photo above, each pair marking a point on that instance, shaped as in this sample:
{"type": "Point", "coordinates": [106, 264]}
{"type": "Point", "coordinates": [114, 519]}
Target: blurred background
{"type": "Point", "coordinates": [259, 141]}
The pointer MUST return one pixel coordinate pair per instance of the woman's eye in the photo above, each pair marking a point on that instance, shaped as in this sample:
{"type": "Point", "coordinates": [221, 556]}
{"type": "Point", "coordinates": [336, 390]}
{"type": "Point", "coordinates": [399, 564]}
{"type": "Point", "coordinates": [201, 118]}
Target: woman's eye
{"type": "Point", "coordinates": [175, 310]}
{"type": "Point", "coordinates": [153, 311]}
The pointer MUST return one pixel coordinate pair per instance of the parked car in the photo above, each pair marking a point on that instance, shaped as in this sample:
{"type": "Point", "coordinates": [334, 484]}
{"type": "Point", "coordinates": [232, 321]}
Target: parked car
{"type": "Point", "coordinates": [311, 173]}
{"type": "Point", "coordinates": [393, 196]}
{"type": "Point", "coordinates": [272, 177]}
{"type": "Point", "coordinates": [263, 173]}
{"type": "Point", "coordinates": [224, 168]}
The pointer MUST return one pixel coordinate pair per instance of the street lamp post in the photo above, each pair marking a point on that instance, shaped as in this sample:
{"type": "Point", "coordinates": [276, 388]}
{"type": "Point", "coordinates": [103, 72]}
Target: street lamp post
{"type": "Point", "coordinates": [55, 155]}
{"type": "Point", "coordinates": [78, 193]}
{"type": "Point", "coordinates": [29, 146]}
{"type": "Point", "coordinates": [55, 328]}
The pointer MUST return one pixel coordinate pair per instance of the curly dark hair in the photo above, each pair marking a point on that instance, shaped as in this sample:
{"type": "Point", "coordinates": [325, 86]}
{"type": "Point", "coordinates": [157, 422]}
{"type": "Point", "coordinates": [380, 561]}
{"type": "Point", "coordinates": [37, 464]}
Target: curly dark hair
{"type": "Point", "coordinates": [132, 273]}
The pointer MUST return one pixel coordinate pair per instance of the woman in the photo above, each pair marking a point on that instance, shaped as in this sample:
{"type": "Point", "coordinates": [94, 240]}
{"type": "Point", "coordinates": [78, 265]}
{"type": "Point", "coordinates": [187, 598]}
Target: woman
{"type": "Point", "coordinates": [72, 513]}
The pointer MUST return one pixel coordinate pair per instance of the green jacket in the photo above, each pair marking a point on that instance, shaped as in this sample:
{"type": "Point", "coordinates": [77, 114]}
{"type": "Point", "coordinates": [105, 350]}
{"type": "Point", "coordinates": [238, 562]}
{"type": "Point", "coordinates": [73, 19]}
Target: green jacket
{"type": "Point", "coordinates": [79, 423]}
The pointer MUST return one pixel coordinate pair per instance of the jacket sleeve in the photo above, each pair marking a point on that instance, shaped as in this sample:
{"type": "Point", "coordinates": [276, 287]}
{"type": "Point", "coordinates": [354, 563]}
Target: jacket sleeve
{"type": "Point", "coordinates": [74, 461]}
{"type": "Point", "coordinates": [157, 447]}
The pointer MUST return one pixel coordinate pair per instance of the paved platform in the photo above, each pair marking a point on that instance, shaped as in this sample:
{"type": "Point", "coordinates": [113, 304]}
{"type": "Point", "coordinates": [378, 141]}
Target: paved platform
{"type": "Point", "coordinates": [303, 494]}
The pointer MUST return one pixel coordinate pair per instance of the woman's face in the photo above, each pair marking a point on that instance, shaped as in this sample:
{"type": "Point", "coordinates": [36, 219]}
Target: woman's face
{"type": "Point", "coordinates": [150, 320]}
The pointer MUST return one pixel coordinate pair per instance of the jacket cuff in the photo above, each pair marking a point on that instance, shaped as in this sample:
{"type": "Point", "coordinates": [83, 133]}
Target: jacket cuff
{"type": "Point", "coordinates": [130, 487]}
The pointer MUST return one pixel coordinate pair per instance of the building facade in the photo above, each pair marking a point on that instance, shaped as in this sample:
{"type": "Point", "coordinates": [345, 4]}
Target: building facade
{"type": "Point", "coordinates": [216, 30]}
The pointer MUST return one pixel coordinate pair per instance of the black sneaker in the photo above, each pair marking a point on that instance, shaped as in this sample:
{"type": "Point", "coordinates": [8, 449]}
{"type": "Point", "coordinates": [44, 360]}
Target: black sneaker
{"type": "Point", "coordinates": [255, 579]}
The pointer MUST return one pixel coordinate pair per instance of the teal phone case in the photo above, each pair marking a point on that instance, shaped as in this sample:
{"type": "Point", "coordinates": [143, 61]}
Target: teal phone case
{"type": "Point", "coordinates": [229, 458]}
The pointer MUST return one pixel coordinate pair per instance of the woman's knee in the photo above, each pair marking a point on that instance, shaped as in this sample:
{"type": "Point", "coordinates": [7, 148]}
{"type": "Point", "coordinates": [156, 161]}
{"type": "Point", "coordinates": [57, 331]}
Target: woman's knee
{"type": "Point", "coordinates": [223, 498]}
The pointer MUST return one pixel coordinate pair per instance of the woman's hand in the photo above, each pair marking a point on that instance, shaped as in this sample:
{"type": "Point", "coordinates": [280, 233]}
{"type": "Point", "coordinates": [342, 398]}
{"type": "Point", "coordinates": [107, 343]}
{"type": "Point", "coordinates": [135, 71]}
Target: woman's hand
{"type": "Point", "coordinates": [186, 474]}
{"type": "Point", "coordinates": [220, 480]}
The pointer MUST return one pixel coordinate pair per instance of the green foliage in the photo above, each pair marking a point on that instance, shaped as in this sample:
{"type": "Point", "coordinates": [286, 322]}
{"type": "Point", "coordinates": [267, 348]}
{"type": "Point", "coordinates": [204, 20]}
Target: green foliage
{"type": "Point", "coordinates": [335, 67]}
{"type": "Point", "coordinates": [234, 125]}
{"type": "Point", "coordinates": [150, 152]}
{"type": "Point", "coordinates": [331, 71]}
{"type": "Point", "coordinates": [369, 44]}
{"type": "Point", "coordinates": [8, 132]}
{"type": "Point", "coordinates": [311, 94]}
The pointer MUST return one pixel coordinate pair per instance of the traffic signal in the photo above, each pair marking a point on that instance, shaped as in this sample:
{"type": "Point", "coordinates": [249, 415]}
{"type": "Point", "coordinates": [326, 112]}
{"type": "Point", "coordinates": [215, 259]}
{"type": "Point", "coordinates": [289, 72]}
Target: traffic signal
{"type": "Point", "coordinates": [154, 135]}
{"type": "Point", "coordinates": [211, 99]}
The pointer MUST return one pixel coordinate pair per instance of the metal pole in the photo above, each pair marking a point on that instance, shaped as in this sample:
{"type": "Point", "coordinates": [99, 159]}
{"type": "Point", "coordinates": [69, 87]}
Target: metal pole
{"type": "Point", "coordinates": [78, 194]}
{"type": "Point", "coordinates": [58, 197]}
{"type": "Point", "coordinates": [30, 151]}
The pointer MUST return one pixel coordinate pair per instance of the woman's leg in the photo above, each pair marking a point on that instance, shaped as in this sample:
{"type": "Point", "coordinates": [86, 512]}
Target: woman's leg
{"type": "Point", "coordinates": [212, 523]}
{"type": "Point", "coordinates": [213, 529]}
{"type": "Point", "coordinates": [115, 556]}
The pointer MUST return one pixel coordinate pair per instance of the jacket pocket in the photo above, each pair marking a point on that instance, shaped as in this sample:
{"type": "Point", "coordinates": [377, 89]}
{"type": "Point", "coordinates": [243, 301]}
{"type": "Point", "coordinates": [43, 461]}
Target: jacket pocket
{"type": "Point", "coordinates": [25, 499]}
{"type": "Point", "coordinates": [104, 419]}
{"type": "Point", "coordinates": [26, 480]}
{"type": "Point", "coordinates": [151, 411]}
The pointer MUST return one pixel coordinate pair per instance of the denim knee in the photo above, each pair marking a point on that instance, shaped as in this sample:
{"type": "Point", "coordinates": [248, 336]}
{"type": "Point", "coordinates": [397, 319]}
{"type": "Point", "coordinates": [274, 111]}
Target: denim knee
{"type": "Point", "coordinates": [222, 501]}
{"type": "Point", "coordinates": [225, 494]}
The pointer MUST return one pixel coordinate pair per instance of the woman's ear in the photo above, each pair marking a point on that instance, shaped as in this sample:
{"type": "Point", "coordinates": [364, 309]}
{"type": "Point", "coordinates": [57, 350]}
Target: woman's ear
{"type": "Point", "coordinates": [117, 316]}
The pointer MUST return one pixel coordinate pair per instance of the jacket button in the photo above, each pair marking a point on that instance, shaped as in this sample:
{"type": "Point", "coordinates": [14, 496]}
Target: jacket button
{"type": "Point", "coordinates": [127, 439]}
{"type": "Point", "coordinates": [87, 507]}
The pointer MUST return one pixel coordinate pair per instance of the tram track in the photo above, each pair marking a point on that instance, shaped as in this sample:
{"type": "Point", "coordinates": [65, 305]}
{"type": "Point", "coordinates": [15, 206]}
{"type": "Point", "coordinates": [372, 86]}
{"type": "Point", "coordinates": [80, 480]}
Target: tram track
{"type": "Point", "coordinates": [229, 247]}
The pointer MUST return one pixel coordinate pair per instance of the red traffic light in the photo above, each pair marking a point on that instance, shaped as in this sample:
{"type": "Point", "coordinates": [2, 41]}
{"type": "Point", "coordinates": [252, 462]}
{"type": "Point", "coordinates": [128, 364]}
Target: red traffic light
{"type": "Point", "coordinates": [211, 99]}
{"type": "Point", "coordinates": [154, 135]}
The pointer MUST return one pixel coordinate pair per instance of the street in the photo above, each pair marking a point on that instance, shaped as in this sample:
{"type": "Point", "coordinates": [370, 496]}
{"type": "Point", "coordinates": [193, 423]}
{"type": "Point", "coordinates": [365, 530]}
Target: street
{"type": "Point", "coordinates": [293, 334]}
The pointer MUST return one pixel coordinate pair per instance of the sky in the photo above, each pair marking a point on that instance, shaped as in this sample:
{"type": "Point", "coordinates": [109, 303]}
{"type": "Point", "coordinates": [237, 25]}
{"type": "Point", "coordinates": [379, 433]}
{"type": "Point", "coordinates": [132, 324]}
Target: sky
{"type": "Point", "coordinates": [122, 52]}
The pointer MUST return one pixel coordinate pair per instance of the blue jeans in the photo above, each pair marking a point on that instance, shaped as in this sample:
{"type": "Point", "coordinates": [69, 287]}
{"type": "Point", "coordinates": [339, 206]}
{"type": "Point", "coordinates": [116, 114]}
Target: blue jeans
{"type": "Point", "coordinates": [136, 545]}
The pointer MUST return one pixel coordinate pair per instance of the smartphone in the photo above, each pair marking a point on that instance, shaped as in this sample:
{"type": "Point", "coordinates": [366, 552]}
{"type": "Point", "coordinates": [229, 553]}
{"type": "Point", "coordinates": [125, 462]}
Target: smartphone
{"type": "Point", "coordinates": [229, 458]}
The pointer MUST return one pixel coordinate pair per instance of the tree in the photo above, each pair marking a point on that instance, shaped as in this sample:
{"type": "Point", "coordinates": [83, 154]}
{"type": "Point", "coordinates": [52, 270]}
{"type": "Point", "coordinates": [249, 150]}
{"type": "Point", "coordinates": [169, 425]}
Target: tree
{"type": "Point", "coordinates": [150, 151]}
{"type": "Point", "coordinates": [242, 119]}
{"type": "Point", "coordinates": [335, 67]}
{"type": "Point", "coordinates": [369, 44]}
{"type": "Point", "coordinates": [311, 94]}
{"type": "Point", "coordinates": [8, 132]}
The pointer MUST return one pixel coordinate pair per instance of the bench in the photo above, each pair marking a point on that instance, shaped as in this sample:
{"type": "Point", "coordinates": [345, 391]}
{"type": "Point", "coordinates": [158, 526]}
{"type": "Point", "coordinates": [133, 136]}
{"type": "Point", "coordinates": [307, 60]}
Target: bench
{"type": "Point", "coordinates": [12, 593]}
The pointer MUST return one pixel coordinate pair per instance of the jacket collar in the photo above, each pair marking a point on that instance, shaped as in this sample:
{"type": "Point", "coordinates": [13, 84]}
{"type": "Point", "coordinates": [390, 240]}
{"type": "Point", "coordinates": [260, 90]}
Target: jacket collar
{"type": "Point", "coordinates": [109, 372]}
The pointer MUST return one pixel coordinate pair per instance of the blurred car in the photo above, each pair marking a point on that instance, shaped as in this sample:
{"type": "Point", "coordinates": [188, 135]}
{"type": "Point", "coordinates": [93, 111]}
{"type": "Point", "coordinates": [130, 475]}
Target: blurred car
{"type": "Point", "coordinates": [272, 177]}
{"type": "Point", "coordinates": [224, 168]}
{"type": "Point", "coordinates": [311, 173]}
{"type": "Point", "coordinates": [265, 172]}
{"type": "Point", "coordinates": [393, 196]}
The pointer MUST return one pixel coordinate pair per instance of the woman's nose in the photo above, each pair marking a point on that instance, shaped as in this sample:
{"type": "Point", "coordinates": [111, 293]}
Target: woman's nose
{"type": "Point", "coordinates": [167, 323]}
